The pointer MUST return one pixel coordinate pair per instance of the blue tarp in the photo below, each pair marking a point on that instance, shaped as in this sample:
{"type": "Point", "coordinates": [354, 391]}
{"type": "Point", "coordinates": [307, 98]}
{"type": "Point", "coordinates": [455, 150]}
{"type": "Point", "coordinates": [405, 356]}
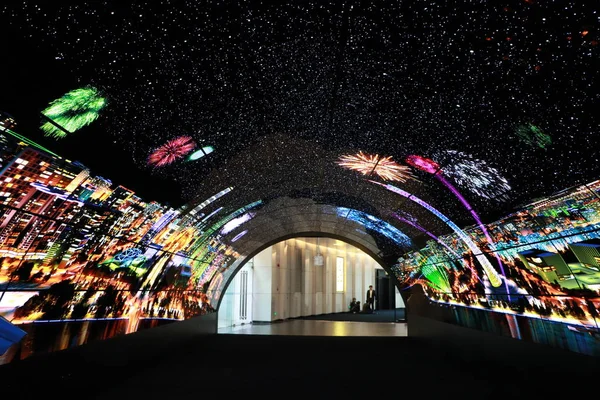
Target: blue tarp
{"type": "Point", "coordinates": [9, 335]}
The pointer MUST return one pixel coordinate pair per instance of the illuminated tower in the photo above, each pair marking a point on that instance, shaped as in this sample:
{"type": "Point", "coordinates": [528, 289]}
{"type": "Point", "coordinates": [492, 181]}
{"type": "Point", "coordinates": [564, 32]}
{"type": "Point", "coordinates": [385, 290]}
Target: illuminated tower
{"type": "Point", "coordinates": [24, 162]}
{"type": "Point", "coordinates": [118, 197]}
{"type": "Point", "coordinates": [79, 179]}
{"type": "Point", "coordinates": [132, 217]}
{"type": "Point", "coordinates": [64, 172]}
{"type": "Point", "coordinates": [37, 215]}
{"type": "Point", "coordinates": [29, 166]}
{"type": "Point", "coordinates": [9, 145]}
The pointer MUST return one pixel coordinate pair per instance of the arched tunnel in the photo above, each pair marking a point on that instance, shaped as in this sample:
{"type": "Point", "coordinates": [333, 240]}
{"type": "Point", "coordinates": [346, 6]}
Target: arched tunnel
{"type": "Point", "coordinates": [264, 196]}
{"type": "Point", "coordinates": [453, 144]}
{"type": "Point", "coordinates": [291, 197]}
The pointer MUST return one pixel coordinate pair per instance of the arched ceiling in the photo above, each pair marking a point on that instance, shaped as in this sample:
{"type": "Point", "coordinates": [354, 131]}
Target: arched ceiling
{"type": "Point", "coordinates": [287, 217]}
{"type": "Point", "coordinates": [267, 172]}
{"type": "Point", "coordinates": [498, 95]}
{"type": "Point", "coordinates": [511, 84]}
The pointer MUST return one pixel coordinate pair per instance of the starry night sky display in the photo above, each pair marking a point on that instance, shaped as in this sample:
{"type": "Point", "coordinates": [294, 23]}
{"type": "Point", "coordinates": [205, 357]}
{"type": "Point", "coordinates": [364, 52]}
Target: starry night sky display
{"type": "Point", "coordinates": [281, 90]}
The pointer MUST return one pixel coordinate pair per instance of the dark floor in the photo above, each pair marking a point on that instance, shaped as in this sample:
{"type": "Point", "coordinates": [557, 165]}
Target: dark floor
{"type": "Point", "coordinates": [295, 327]}
{"type": "Point", "coordinates": [378, 316]}
{"type": "Point", "coordinates": [288, 366]}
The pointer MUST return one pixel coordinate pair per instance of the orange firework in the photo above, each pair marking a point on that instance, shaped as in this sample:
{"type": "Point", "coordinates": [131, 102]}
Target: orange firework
{"type": "Point", "coordinates": [369, 164]}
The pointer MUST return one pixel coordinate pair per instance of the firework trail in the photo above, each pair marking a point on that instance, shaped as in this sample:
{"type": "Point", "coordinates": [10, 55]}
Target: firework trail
{"type": "Point", "coordinates": [437, 239]}
{"type": "Point", "coordinates": [487, 267]}
{"type": "Point", "coordinates": [420, 228]}
{"type": "Point", "coordinates": [430, 166]}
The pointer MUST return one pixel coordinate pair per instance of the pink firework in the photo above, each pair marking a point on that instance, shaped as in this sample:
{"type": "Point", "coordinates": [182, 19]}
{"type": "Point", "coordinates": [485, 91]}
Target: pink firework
{"type": "Point", "coordinates": [424, 164]}
{"type": "Point", "coordinates": [171, 151]}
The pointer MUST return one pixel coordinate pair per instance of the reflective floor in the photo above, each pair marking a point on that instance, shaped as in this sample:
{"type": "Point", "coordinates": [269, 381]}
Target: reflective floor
{"type": "Point", "coordinates": [320, 328]}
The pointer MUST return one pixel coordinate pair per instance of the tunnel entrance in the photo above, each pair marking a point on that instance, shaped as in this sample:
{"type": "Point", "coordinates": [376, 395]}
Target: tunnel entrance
{"type": "Point", "coordinates": [306, 277]}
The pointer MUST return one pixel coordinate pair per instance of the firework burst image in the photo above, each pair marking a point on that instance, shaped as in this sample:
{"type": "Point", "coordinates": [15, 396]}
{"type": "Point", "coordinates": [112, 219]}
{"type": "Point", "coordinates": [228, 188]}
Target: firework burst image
{"type": "Point", "coordinates": [474, 175]}
{"type": "Point", "coordinates": [422, 163]}
{"type": "Point", "coordinates": [383, 167]}
{"type": "Point", "coordinates": [433, 168]}
{"type": "Point", "coordinates": [171, 151]}
{"type": "Point", "coordinates": [73, 111]}
{"type": "Point", "coordinates": [532, 135]}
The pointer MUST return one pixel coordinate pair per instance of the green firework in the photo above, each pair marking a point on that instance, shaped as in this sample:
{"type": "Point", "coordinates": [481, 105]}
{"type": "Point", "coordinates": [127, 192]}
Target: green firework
{"type": "Point", "coordinates": [73, 111]}
{"type": "Point", "coordinates": [533, 135]}
{"type": "Point", "coordinates": [436, 277]}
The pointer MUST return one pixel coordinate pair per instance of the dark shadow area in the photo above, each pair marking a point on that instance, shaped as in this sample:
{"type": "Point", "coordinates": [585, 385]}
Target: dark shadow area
{"type": "Point", "coordinates": [166, 365]}
{"type": "Point", "coordinates": [100, 363]}
{"type": "Point", "coordinates": [379, 316]}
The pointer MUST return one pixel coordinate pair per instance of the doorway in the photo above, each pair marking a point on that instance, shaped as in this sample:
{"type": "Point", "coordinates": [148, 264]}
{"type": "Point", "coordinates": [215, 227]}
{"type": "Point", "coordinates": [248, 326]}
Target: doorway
{"type": "Point", "coordinates": [384, 295]}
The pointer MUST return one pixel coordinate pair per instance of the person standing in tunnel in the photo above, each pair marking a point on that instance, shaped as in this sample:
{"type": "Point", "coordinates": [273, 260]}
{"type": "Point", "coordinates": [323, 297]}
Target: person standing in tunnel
{"type": "Point", "coordinates": [371, 295]}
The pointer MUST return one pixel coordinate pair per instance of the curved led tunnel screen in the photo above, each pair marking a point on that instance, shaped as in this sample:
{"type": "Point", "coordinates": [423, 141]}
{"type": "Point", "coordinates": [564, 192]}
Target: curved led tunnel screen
{"type": "Point", "coordinates": [372, 223]}
{"type": "Point", "coordinates": [550, 251]}
{"type": "Point", "coordinates": [408, 133]}
{"type": "Point", "coordinates": [118, 264]}
{"type": "Point", "coordinates": [99, 260]}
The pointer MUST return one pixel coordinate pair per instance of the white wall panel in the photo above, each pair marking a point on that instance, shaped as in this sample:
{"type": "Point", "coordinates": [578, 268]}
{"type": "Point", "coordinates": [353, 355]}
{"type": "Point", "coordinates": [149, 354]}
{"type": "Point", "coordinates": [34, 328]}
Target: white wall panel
{"type": "Point", "coordinates": [262, 280]}
{"type": "Point", "coordinates": [287, 284]}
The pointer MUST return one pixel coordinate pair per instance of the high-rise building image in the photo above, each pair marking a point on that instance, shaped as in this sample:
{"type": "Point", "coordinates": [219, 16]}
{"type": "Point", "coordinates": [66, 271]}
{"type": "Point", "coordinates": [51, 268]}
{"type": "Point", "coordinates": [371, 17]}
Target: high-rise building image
{"type": "Point", "coordinates": [550, 266]}
{"type": "Point", "coordinates": [9, 146]}
{"type": "Point", "coordinates": [588, 253]}
{"type": "Point", "coordinates": [118, 197]}
{"type": "Point", "coordinates": [7, 121]}
{"type": "Point", "coordinates": [34, 219]}
{"type": "Point", "coordinates": [79, 179]}
{"type": "Point", "coordinates": [35, 166]}
{"type": "Point", "coordinates": [587, 270]}
{"type": "Point", "coordinates": [101, 187]}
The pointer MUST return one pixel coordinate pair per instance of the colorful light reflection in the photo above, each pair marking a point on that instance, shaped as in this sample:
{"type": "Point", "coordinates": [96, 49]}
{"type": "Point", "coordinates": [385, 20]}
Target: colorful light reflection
{"type": "Point", "coordinates": [239, 235]}
{"type": "Point", "coordinates": [422, 163]}
{"type": "Point", "coordinates": [373, 223]}
{"type": "Point", "coordinates": [491, 273]}
{"type": "Point", "coordinates": [234, 223]}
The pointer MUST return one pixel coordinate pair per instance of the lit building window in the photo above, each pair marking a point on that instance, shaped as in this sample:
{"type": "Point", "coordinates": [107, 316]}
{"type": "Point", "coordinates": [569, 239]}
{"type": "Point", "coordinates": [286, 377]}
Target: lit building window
{"type": "Point", "coordinates": [339, 274]}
